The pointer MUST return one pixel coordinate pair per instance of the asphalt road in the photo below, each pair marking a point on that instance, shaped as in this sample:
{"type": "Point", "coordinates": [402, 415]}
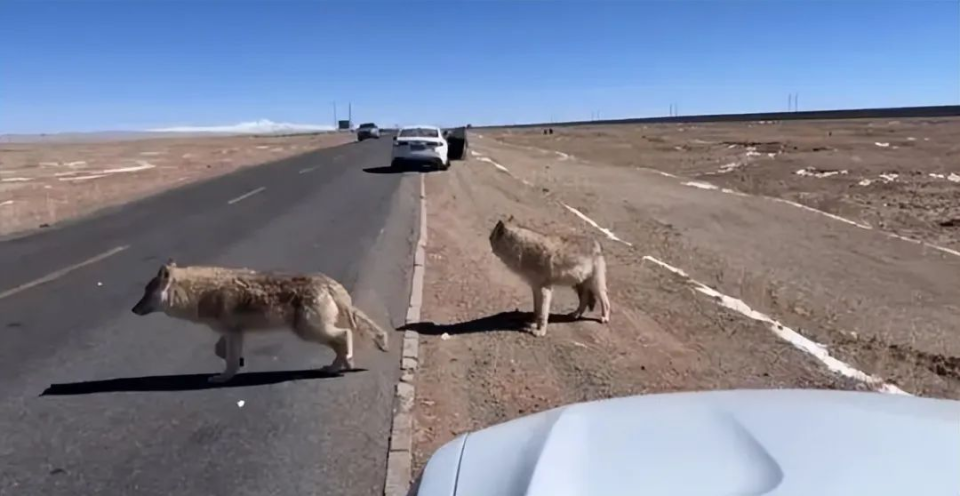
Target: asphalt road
{"type": "Point", "coordinates": [96, 400]}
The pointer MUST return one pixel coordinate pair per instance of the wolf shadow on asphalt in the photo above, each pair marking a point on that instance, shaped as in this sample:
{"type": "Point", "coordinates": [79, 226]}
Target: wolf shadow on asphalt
{"type": "Point", "coordinates": [187, 382]}
{"type": "Point", "coordinates": [515, 321]}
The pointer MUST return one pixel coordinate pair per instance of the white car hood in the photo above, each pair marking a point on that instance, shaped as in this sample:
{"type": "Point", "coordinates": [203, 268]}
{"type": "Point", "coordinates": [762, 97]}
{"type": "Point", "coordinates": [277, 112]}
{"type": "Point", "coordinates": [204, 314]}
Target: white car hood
{"type": "Point", "coordinates": [784, 442]}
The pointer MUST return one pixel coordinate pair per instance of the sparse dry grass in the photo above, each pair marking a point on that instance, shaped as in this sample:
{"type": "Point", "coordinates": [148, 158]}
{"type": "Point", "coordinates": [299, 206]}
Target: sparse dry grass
{"type": "Point", "coordinates": [45, 183]}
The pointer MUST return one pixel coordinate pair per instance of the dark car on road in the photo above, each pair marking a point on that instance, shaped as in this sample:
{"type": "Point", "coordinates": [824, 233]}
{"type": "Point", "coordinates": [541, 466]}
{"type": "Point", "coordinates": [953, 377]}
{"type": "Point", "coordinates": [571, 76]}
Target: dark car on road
{"type": "Point", "coordinates": [368, 130]}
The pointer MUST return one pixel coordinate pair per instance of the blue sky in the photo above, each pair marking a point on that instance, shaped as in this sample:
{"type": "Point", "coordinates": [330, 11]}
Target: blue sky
{"type": "Point", "coordinates": [85, 65]}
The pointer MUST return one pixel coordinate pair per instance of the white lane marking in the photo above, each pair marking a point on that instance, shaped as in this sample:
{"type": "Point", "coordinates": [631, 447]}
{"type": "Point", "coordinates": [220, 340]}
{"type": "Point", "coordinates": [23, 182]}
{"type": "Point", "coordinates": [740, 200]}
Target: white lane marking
{"type": "Point", "coordinates": [881, 144]}
{"type": "Point", "coordinates": [246, 195]}
{"type": "Point", "coordinates": [563, 156]}
{"type": "Point", "coordinates": [308, 169]}
{"type": "Point", "coordinates": [821, 212]}
{"type": "Point", "coordinates": [6, 202]}
{"type": "Point", "coordinates": [82, 178]}
{"type": "Point", "coordinates": [662, 173]}
{"type": "Point", "coordinates": [590, 221]}
{"type": "Point", "coordinates": [495, 164]}
{"type": "Point", "coordinates": [708, 186]}
{"type": "Point", "coordinates": [474, 153]}
{"type": "Point", "coordinates": [15, 179]}
{"type": "Point", "coordinates": [800, 342]}
{"type": "Point", "coordinates": [62, 272]}
{"type": "Point", "coordinates": [143, 165]}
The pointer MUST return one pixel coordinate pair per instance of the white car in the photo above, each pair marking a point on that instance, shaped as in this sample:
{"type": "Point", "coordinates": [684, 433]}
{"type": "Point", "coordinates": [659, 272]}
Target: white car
{"type": "Point", "coordinates": [784, 442]}
{"type": "Point", "coordinates": [420, 144]}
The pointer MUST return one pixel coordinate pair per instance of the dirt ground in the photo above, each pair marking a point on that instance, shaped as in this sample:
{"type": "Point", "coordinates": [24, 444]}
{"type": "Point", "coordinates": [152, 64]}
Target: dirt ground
{"type": "Point", "coordinates": [899, 175]}
{"type": "Point", "coordinates": [882, 305]}
{"type": "Point", "coordinates": [45, 183]}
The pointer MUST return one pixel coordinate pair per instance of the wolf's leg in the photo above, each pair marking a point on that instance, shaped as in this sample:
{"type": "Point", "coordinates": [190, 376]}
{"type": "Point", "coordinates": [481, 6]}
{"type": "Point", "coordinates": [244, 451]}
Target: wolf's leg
{"type": "Point", "coordinates": [537, 303]}
{"type": "Point", "coordinates": [598, 285]}
{"type": "Point", "coordinates": [233, 344]}
{"type": "Point", "coordinates": [341, 340]}
{"type": "Point", "coordinates": [583, 296]}
{"type": "Point", "coordinates": [220, 349]}
{"type": "Point", "coordinates": [545, 294]}
{"type": "Point", "coordinates": [319, 324]}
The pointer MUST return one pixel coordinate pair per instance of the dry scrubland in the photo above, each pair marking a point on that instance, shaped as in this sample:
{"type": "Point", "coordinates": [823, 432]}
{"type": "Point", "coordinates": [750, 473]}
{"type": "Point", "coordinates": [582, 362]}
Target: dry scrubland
{"type": "Point", "coordinates": [45, 183]}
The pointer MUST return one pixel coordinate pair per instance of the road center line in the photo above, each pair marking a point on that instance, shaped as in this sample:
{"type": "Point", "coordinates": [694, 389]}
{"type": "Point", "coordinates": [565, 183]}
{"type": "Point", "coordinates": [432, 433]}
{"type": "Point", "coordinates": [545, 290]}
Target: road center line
{"type": "Point", "coordinates": [62, 272]}
{"type": "Point", "coordinates": [246, 195]}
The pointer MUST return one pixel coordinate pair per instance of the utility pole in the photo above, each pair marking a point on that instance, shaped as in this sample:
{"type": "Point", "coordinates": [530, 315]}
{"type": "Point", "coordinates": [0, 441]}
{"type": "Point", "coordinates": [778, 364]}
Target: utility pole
{"type": "Point", "coordinates": [350, 113]}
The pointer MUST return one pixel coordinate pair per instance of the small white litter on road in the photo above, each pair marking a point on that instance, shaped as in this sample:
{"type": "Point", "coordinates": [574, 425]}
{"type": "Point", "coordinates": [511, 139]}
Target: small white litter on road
{"type": "Point", "coordinates": [49, 164]}
{"type": "Point", "coordinates": [78, 163]}
{"type": "Point", "coordinates": [700, 185]}
{"type": "Point", "coordinates": [6, 202]}
{"type": "Point", "coordinates": [596, 226]}
{"type": "Point", "coordinates": [151, 154]}
{"type": "Point", "coordinates": [813, 172]}
{"type": "Point", "coordinates": [865, 182]}
{"type": "Point", "coordinates": [911, 138]}
{"type": "Point", "coordinates": [563, 156]}
{"type": "Point", "coordinates": [796, 339]}
{"type": "Point", "coordinates": [882, 144]}
{"type": "Point", "coordinates": [474, 153]}
{"type": "Point", "coordinates": [262, 147]}
{"type": "Point", "coordinates": [727, 168]}
{"type": "Point", "coordinates": [444, 336]}
{"type": "Point", "coordinates": [241, 403]}
{"type": "Point", "coordinates": [953, 178]}
{"type": "Point", "coordinates": [15, 179]}
{"type": "Point", "coordinates": [99, 283]}
{"type": "Point", "coordinates": [889, 177]}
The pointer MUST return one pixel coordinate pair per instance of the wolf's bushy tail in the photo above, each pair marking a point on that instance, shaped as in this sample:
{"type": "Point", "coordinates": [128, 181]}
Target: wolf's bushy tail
{"type": "Point", "coordinates": [370, 327]}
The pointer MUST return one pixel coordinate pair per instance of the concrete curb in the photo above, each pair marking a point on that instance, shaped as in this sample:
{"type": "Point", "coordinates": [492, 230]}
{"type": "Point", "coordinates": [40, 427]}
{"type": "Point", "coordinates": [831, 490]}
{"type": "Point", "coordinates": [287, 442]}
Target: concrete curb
{"type": "Point", "coordinates": [400, 454]}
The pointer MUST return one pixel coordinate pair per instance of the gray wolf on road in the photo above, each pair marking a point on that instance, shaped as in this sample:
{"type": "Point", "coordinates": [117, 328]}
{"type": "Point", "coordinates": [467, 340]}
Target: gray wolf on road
{"type": "Point", "coordinates": [546, 261]}
{"type": "Point", "coordinates": [233, 302]}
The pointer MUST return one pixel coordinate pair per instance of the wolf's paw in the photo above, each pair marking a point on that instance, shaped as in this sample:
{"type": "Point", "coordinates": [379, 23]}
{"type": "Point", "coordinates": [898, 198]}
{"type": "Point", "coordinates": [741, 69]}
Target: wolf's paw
{"type": "Point", "coordinates": [220, 378]}
{"type": "Point", "coordinates": [538, 331]}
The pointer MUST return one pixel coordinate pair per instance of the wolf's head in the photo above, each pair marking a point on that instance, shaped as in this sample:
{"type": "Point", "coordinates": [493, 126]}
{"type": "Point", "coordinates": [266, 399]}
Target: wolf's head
{"type": "Point", "coordinates": [499, 230]}
{"type": "Point", "coordinates": [156, 293]}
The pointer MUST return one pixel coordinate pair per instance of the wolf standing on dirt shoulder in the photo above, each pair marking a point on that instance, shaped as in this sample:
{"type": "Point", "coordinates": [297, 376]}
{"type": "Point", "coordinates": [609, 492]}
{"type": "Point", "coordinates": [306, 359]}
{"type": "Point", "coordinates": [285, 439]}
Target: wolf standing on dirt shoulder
{"type": "Point", "coordinates": [547, 261]}
{"type": "Point", "coordinates": [233, 302]}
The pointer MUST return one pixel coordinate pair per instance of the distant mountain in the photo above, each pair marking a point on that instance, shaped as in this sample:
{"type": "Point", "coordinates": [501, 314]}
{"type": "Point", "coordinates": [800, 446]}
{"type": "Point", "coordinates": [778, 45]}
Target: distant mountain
{"type": "Point", "coordinates": [262, 126]}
